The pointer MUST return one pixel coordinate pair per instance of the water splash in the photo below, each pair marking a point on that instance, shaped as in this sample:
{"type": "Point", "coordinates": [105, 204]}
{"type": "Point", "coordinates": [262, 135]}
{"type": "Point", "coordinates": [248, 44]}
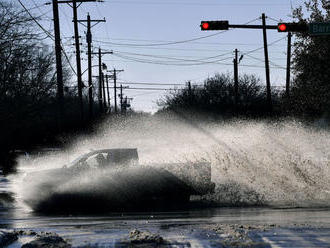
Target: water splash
{"type": "Point", "coordinates": [253, 162]}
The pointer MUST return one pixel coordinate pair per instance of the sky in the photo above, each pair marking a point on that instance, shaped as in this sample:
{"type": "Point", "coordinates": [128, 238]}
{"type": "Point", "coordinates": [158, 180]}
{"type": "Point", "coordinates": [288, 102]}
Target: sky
{"type": "Point", "coordinates": [154, 41]}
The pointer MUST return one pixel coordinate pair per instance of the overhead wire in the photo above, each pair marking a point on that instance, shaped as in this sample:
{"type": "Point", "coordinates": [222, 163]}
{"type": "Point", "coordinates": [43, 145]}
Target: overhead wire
{"type": "Point", "coordinates": [48, 34]}
{"type": "Point", "coordinates": [202, 60]}
{"type": "Point", "coordinates": [181, 64]}
{"type": "Point", "coordinates": [192, 4]}
{"type": "Point", "coordinates": [162, 84]}
{"type": "Point", "coordinates": [42, 14]}
{"type": "Point", "coordinates": [177, 42]}
{"type": "Point", "coordinates": [274, 64]}
{"type": "Point", "coordinates": [273, 19]}
{"type": "Point", "coordinates": [259, 48]}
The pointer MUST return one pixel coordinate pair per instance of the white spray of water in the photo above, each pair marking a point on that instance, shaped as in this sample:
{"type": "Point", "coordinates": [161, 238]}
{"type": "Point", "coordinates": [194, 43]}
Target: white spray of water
{"type": "Point", "coordinates": [278, 164]}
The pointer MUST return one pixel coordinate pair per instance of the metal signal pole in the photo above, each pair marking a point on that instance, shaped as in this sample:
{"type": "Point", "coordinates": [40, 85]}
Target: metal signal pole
{"type": "Point", "coordinates": [288, 66]}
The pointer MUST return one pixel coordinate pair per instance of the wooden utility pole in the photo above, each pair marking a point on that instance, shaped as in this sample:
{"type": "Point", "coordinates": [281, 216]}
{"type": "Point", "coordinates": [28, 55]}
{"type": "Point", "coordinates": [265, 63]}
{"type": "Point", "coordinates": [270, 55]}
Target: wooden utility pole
{"type": "Point", "coordinates": [288, 66]}
{"type": "Point", "coordinates": [100, 81]}
{"type": "Point", "coordinates": [89, 53]}
{"type": "Point", "coordinates": [269, 94]}
{"type": "Point", "coordinates": [114, 71]}
{"type": "Point", "coordinates": [78, 60]}
{"type": "Point", "coordinates": [121, 98]}
{"type": "Point", "coordinates": [100, 53]}
{"type": "Point", "coordinates": [76, 36]}
{"type": "Point", "coordinates": [59, 70]}
{"type": "Point", "coordinates": [236, 77]}
{"type": "Point", "coordinates": [190, 93]}
{"type": "Point", "coordinates": [115, 89]}
{"type": "Point", "coordinates": [104, 97]}
{"type": "Point", "coordinates": [108, 92]}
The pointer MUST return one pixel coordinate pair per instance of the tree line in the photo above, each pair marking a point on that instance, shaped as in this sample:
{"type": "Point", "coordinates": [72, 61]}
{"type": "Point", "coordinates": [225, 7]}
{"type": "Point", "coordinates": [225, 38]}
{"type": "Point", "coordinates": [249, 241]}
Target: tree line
{"type": "Point", "coordinates": [28, 104]}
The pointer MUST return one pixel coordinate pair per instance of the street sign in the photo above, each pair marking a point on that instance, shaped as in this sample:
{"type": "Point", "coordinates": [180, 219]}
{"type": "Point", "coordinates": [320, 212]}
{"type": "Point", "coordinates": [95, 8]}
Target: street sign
{"type": "Point", "coordinates": [319, 28]}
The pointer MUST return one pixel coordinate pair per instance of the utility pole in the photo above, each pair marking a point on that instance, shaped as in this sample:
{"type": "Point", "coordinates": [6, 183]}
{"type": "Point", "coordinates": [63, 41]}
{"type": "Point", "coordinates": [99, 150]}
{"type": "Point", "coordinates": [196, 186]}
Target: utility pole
{"type": "Point", "coordinates": [89, 53]}
{"type": "Point", "coordinates": [108, 93]}
{"type": "Point", "coordinates": [288, 66]}
{"type": "Point", "coordinates": [59, 71]}
{"type": "Point", "coordinates": [76, 35]}
{"type": "Point", "coordinates": [90, 83]}
{"type": "Point", "coordinates": [114, 71]}
{"type": "Point", "coordinates": [104, 98]}
{"type": "Point", "coordinates": [100, 81]}
{"type": "Point", "coordinates": [100, 53]}
{"type": "Point", "coordinates": [236, 78]}
{"type": "Point", "coordinates": [115, 89]}
{"type": "Point", "coordinates": [121, 98]}
{"type": "Point", "coordinates": [78, 60]}
{"type": "Point", "coordinates": [269, 96]}
{"type": "Point", "coordinates": [190, 93]}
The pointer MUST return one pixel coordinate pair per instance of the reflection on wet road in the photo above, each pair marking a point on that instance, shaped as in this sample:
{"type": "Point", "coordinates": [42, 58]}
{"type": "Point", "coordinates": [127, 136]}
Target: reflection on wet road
{"type": "Point", "coordinates": [299, 227]}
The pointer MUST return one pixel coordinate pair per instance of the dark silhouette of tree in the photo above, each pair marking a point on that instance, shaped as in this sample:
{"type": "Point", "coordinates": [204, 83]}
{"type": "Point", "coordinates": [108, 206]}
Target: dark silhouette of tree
{"type": "Point", "coordinates": [28, 105]}
{"type": "Point", "coordinates": [310, 94]}
{"type": "Point", "coordinates": [217, 95]}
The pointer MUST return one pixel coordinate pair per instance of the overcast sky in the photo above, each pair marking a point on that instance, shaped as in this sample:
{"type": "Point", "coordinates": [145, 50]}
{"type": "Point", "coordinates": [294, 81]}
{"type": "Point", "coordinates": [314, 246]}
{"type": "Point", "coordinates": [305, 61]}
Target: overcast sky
{"type": "Point", "coordinates": [138, 30]}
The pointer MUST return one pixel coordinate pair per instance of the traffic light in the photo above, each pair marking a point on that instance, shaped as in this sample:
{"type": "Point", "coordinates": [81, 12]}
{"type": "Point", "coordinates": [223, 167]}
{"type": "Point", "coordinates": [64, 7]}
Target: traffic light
{"type": "Point", "coordinates": [214, 25]}
{"type": "Point", "coordinates": [292, 27]}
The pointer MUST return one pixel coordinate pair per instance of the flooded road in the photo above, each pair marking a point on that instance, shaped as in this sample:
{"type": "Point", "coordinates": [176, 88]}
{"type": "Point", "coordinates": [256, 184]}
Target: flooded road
{"type": "Point", "coordinates": [298, 227]}
{"type": "Point", "coordinates": [281, 168]}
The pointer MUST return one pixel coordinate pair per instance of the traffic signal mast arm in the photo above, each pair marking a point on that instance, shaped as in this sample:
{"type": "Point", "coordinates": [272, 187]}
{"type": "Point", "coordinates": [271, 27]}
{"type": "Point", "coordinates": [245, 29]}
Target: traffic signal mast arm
{"type": "Point", "coordinates": [281, 27]}
{"type": "Point", "coordinates": [224, 25]}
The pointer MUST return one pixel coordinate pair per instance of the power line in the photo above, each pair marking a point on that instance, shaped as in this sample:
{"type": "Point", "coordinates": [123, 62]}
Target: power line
{"type": "Point", "coordinates": [48, 35]}
{"type": "Point", "coordinates": [42, 14]}
{"type": "Point", "coordinates": [99, 39]}
{"type": "Point", "coordinates": [259, 48]}
{"type": "Point", "coordinates": [175, 42]}
{"type": "Point", "coordinates": [40, 26]}
{"type": "Point", "coordinates": [201, 60]}
{"type": "Point", "coordinates": [273, 19]}
{"type": "Point", "coordinates": [194, 4]}
{"type": "Point", "coordinates": [181, 89]}
{"type": "Point", "coordinates": [180, 64]}
{"type": "Point", "coordinates": [143, 94]}
{"type": "Point", "coordinates": [276, 65]}
{"type": "Point", "coordinates": [162, 84]}
{"type": "Point", "coordinates": [167, 62]}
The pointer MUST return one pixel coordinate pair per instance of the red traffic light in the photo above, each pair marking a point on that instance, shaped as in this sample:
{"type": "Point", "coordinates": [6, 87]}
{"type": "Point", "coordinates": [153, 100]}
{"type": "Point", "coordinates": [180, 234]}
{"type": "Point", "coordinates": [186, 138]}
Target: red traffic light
{"type": "Point", "coordinates": [282, 27]}
{"type": "Point", "coordinates": [214, 25]}
{"type": "Point", "coordinates": [205, 25]}
{"type": "Point", "coordinates": [292, 27]}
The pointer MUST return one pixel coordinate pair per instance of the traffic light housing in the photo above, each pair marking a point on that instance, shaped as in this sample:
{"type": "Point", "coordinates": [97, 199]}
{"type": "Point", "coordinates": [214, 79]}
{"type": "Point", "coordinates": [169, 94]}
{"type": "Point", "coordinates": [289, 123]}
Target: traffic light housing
{"type": "Point", "coordinates": [214, 25]}
{"type": "Point", "coordinates": [292, 27]}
